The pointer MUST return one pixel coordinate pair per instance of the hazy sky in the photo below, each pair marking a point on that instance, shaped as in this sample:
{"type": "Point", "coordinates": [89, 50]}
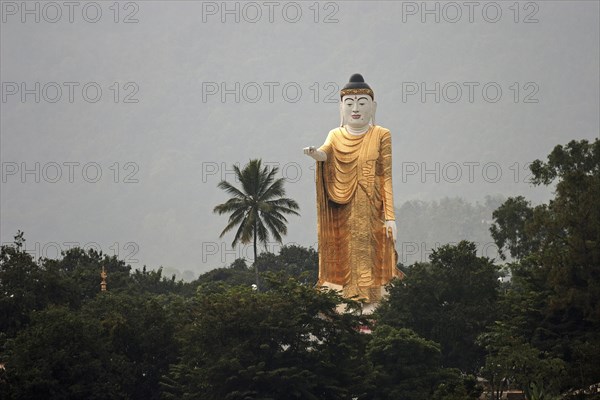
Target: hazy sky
{"type": "Point", "coordinates": [119, 119]}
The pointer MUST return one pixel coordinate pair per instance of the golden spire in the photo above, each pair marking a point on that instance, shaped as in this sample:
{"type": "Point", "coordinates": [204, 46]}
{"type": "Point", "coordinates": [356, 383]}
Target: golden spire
{"type": "Point", "coordinates": [103, 283]}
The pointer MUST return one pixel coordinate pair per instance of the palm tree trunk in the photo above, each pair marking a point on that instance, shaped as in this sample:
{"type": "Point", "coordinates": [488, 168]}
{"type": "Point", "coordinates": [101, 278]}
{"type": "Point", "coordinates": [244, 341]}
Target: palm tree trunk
{"type": "Point", "coordinates": [255, 264]}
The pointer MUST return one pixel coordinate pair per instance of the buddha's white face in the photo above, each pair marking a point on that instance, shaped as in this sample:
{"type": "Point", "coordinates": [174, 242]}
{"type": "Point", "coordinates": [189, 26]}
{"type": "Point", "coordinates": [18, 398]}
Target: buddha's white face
{"type": "Point", "coordinates": [357, 110]}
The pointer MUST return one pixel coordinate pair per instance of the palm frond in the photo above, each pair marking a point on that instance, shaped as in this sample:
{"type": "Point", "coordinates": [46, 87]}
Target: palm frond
{"type": "Point", "coordinates": [276, 227]}
{"type": "Point", "coordinates": [245, 232]}
{"type": "Point", "coordinates": [250, 178]}
{"type": "Point", "coordinates": [274, 190]}
{"type": "Point", "coordinates": [267, 181]}
{"type": "Point", "coordinates": [230, 205]}
{"type": "Point", "coordinates": [234, 219]}
{"type": "Point", "coordinates": [285, 205]}
{"type": "Point", "coordinates": [232, 190]}
{"type": "Point", "coordinates": [261, 232]}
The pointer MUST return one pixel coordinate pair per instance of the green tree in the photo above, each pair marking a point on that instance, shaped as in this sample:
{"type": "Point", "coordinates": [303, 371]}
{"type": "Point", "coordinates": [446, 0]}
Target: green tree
{"type": "Point", "coordinates": [288, 342]}
{"type": "Point", "coordinates": [27, 284]}
{"type": "Point", "coordinates": [509, 230]}
{"type": "Point", "coordinates": [405, 365]}
{"type": "Point", "coordinates": [449, 301]}
{"type": "Point", "coordinates": [236, 274]}
{"type": "Point", "coordinates": [116, 346]}
{"type": "Point", "coordinates": [152, 281]}
{"type": "Point", "coordinates": [22, 287]}
{"type": "Point", "coordinates": [258, 209]}
{"type": "Point", "coordinates": [60, 355]}
{"type": "Point", "coordinates": [570, 227]}
{"type": "Point", "coordinates": [458, 387]}
{"type": "Point", "coordinates": [292, 261]}
{"type": "Point", "coordinates": [513, 360]}
{"type": "Point", "coordinates": [139, 331]}
{"type": "Point", "coordinates": [552, 306]}
{"type": "Point", "coordinates": [80, 271]}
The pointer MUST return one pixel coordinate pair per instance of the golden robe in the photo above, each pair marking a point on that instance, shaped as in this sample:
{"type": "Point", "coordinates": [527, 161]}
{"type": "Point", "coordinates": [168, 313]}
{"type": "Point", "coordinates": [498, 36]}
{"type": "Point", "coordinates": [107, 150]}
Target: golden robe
{"type": "Point", "coordinates": [354, 199]}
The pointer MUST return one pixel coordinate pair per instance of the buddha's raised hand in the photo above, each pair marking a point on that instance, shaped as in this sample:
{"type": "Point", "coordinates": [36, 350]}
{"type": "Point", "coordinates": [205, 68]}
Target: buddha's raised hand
{"type": "Point", "coordinates": [315, 153]}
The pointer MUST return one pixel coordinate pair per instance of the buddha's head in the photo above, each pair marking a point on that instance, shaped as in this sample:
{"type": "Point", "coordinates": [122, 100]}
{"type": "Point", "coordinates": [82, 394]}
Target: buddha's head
{"type": "Point", "coordinates": [357, 107]}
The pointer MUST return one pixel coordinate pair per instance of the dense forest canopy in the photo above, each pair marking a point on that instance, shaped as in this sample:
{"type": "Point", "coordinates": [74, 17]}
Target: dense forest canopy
{"type": "Point", "coordinates": [445, 329]}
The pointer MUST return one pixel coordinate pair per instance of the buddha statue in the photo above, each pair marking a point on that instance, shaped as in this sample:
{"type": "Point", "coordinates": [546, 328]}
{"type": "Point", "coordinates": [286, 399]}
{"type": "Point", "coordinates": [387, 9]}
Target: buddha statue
{"type": "Point", "coordinates": [355, 205]}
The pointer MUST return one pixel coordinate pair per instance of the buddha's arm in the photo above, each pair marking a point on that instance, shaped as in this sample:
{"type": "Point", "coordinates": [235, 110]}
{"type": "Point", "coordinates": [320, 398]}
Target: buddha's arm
{"type": "Point", "coordinates": [388, 193]}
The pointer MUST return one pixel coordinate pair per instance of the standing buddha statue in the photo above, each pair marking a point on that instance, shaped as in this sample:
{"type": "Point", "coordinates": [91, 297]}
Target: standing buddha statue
{"type": "Point", "coordinates": [355, 204]}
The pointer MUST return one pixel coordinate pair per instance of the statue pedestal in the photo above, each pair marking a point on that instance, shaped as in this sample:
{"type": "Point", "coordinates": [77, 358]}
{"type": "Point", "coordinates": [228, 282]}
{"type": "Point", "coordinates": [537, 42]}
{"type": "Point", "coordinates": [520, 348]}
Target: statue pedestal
{"type": "Point", "coordinates": [367, 308]}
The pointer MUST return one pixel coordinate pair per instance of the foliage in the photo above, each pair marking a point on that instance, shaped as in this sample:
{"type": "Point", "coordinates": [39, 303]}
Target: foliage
{"type": "Point", "coordinates": [139, 330]}
{"type": "Point", "coordinates": [287, 342]}
{"type": "Point", "coordinates": [153, 281]}
{"type": "Point", "coordinates": [509, 230]}
{"type": "Point", "coordinates": [238, 273]}
{"type": "Point", "coordinates": [60, 335]}
{"type": "Point", "coordinates": [22, 287]}
{"type": "Point", "coordinates": [115, 346]}
{"type": "Point", "coordinates": [548, 331]}
{"type": "Point", "coordinates": [512, 360]}
{"type": "Point", "coordinates": [60, 355]}
{"type": "Point", "coordinates": [28, 285]}
{"type": "Point", "coordinates": [458, 388]}
{"type": "Point", "coordinates": [150, 336]}
{"type": "Point", "coordinates": [449, 301]}
{"type": "Point", "coordinates": [293, 261]}
{"type": "Point", "coordinates": [407, 366]}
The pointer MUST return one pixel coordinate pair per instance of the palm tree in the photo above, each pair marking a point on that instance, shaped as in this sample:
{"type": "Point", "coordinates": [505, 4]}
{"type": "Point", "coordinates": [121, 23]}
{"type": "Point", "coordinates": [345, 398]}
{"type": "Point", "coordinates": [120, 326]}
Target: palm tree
{"type": "Point", "coordinates": [258, 207]}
